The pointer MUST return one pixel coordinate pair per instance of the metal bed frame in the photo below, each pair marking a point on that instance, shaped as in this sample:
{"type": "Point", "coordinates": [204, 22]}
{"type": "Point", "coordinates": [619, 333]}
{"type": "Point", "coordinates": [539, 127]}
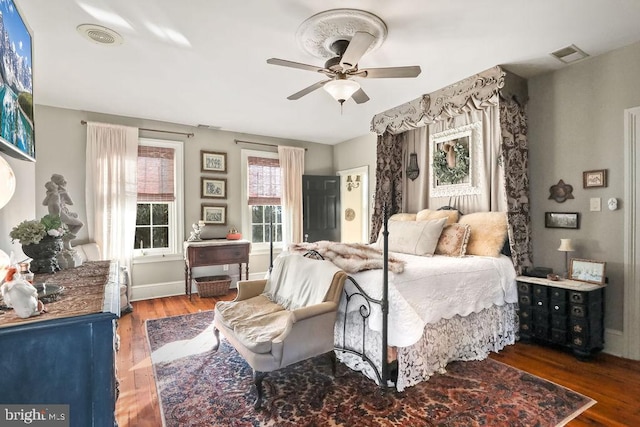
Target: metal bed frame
{"type": "Point", "coordinates": [387, 371]}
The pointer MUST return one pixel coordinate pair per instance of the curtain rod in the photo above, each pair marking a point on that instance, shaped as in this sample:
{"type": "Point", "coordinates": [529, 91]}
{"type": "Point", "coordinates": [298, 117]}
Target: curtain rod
{"type": "Point", "coordinates": [188, 134]}
{"type": "Point", "coordinates": [239, 141]}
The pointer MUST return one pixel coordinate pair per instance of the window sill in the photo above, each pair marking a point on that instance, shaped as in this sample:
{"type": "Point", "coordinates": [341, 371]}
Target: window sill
{"type": "Point", "coordinates": [264, 250]}
{"type": "Point", "coordinates": [146, 259]}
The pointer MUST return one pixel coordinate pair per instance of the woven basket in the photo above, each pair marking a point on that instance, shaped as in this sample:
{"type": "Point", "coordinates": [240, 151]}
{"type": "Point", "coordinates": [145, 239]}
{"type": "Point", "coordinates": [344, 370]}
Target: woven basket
{"type": "Point", "coordinates": [211, 286]}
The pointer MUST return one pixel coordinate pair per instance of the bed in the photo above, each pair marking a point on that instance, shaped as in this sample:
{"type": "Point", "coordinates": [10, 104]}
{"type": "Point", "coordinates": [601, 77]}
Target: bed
{"type": "Point", "coordinates": [402, 323]}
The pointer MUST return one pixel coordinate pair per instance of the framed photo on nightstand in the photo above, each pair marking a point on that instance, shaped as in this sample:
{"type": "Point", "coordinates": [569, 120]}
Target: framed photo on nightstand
{"type": "Point", "coordinates": [586, 270]}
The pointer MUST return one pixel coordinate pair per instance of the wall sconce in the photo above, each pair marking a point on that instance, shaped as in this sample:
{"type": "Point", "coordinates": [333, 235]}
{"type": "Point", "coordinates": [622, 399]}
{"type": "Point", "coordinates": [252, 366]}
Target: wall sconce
{"type": "Point", "coordinates": [566, 246]}
{"type": "Point", "coordinates": [7, 182]}
{"type": "Point", "coordinates": [353, 181]}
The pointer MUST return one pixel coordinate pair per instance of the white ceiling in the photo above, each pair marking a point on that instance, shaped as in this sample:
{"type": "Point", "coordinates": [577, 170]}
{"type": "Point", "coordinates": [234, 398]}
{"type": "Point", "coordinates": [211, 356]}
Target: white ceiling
{"type": "Point", "coordinates": [204, 61]}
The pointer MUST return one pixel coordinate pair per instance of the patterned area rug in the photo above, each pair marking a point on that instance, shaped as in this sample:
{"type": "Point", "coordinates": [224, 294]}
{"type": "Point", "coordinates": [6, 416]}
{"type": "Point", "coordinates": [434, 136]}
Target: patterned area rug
{"type": "Point", "coordinates": [198, 387]}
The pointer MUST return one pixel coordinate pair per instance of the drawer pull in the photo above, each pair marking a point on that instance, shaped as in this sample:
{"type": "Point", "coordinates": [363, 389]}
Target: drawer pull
{"type": "Point", "coordinates": [555, 307]}
{"type": "Point", "coordinates": [539, 302]}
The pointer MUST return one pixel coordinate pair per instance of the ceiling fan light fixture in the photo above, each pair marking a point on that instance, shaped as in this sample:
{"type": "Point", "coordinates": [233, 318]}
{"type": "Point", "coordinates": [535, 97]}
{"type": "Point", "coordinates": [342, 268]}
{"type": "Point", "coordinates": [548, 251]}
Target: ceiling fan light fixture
{"type": "Point", "coordinates": [341, 89]}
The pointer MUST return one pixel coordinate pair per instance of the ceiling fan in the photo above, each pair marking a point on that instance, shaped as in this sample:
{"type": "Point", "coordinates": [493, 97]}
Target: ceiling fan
{"type": "Point", "coordinates": [343, 67]}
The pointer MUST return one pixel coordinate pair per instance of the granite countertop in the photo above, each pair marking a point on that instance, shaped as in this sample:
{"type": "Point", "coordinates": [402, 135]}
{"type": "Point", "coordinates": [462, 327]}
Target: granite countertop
{"type": "Point", "coordinates": [83, 294]}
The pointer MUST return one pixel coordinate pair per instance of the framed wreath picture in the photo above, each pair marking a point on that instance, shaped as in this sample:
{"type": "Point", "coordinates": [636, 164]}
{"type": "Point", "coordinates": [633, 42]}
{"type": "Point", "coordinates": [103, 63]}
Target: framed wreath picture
{"type": "Point", "coordinates": [213, 188]}
{"type": "Point", "coordinates": [454, 156]}
{"type": "Point", "coordinates": [213, 162]}
{"type": "Point", "coordinates": [214, 214]}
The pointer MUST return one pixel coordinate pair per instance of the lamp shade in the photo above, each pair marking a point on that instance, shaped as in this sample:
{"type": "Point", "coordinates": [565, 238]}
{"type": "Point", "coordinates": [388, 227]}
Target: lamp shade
{"type": "Point", "coordinates": [341, 89]}
{"type": "Point", "coordinates": [7, 182]}
{"type": "Point", "coordinates": [566, 246]}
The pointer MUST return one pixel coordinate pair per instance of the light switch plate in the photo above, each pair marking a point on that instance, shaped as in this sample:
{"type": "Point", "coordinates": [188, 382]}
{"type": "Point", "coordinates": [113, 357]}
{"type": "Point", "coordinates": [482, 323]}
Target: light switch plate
{"type": "Point", "coordinates": [595, 204]}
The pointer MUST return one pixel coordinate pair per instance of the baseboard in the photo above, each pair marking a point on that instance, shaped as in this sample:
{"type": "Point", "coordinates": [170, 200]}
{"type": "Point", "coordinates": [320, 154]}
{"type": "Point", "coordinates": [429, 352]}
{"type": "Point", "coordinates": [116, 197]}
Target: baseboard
{"type": "Point", "coordinates": [157, 290]}
{"type": "Point", "coordinates": [169, 289]}
{"type": "Point", "coordinates": [613, 342]}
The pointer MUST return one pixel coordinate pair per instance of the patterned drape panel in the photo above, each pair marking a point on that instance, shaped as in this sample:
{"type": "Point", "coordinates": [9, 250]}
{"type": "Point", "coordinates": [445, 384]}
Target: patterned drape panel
{"type": "Point", "coordinates": [389, 176]}
{"type": "Point", "coordinates": [515, 155]}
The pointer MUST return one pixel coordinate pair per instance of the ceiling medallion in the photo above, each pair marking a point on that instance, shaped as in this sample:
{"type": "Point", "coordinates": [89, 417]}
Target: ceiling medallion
{"type": "Point", "coordinates": [317, 33]}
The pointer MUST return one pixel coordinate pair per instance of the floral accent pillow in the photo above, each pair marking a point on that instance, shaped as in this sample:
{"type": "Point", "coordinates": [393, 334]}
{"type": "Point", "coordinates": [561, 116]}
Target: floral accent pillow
{"type": "Point", "coordinates": [453, 240]}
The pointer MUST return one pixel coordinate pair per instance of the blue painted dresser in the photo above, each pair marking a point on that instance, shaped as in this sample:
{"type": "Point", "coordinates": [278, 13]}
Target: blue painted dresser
{"type": "Point", "coordinates": [67, 355]}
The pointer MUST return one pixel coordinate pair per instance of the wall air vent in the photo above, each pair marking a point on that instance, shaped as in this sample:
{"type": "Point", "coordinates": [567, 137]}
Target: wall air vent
{"type": "Point", "coordinates": [99, 34]}
{"type": "Point", "coordinates": [569, 54]}
{"type": "Point", "coordinates": [201, 126]}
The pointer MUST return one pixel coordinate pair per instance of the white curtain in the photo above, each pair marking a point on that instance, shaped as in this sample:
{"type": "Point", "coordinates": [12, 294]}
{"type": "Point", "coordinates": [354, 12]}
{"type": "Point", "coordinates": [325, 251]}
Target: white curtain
{"type": "Point", "coordinates": [292, 167]}
{"type": "Point", "coordinates": [112, 153]}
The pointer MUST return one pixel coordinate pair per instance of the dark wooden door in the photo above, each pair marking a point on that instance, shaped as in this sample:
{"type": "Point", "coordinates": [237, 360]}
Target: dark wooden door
{"type": "Point", "coordinates": [321, 208]}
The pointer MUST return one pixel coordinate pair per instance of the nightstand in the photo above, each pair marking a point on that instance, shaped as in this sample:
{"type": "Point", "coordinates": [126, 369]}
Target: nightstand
{"type": "Point", "coordinates": [567, 313]}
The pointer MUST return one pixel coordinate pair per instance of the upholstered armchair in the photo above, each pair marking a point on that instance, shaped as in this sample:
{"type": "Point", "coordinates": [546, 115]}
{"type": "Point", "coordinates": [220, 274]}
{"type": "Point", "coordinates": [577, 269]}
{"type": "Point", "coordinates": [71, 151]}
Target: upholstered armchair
{"type": "Point", "coordinates": [285, 319]}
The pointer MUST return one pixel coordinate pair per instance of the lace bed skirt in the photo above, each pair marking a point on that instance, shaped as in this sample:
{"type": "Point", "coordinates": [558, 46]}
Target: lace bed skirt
{"type": "Point", "coordinates": [471, 337]}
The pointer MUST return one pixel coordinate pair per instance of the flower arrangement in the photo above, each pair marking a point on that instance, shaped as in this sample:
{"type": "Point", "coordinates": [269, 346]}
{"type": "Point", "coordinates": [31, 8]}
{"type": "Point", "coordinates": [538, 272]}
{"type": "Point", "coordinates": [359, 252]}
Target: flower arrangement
{"type": "Point", "coordinates": [33, 231]}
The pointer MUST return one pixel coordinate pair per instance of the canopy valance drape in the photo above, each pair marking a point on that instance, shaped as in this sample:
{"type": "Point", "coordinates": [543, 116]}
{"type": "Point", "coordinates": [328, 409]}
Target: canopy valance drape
{"type": "Point", "coordinates": [481, 89]}
{"type": "Point", "coordinates": [493, 98]}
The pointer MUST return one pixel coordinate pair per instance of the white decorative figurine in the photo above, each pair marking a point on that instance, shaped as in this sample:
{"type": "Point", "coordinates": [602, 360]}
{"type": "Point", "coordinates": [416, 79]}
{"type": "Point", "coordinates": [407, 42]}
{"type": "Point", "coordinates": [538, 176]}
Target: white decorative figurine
{"type": "Point", "coordinates": [20, 295]}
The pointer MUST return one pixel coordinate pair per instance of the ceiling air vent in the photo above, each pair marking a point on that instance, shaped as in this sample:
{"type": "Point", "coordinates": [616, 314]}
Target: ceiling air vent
{"type": "Point", "coordinates": [100, 35]}
{"type": "Point", "coordinates": [569, 54]}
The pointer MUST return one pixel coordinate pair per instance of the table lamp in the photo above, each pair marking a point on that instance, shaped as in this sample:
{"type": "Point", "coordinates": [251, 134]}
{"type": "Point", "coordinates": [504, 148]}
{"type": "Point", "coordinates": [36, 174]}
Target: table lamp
{"type": "Point", "coordinates": [566, 247]}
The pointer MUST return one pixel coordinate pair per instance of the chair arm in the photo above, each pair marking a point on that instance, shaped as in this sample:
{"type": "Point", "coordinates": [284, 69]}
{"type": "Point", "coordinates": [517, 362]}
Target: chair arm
{"type": "Point", "coordinates": [313, 310]}
{"type": "Point", "coordinates": [250, 288]}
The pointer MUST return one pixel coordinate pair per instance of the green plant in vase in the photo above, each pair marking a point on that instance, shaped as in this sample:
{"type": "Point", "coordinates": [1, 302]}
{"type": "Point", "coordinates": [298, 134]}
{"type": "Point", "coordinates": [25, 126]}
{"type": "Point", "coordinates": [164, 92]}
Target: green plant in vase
{"type": "Point", "coordinates": [41, 240]}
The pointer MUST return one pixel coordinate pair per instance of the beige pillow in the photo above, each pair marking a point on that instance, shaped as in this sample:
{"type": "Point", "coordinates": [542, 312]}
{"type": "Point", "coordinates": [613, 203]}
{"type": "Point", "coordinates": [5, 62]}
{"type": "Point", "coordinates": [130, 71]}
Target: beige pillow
{"type": "Point", "coordinates": [403, 217]}
{"type": "Point", "coordinates": [429, 214]}
{"type": "Point", "coordinates": [414, 237]}
{"type": "Point", "coordinates": [488, 232]}
{"type": "Point", "coordinates": [453, 240]}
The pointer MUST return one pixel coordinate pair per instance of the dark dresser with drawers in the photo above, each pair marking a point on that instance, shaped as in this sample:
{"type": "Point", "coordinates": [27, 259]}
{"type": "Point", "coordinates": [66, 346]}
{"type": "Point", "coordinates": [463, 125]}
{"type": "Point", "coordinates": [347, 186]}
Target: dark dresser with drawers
{"type": "Point", "coordinates": [566, 313]}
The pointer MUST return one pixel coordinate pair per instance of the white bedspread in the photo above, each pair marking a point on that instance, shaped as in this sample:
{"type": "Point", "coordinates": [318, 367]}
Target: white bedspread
{"type": "Point", "coordinates": [435, 288]}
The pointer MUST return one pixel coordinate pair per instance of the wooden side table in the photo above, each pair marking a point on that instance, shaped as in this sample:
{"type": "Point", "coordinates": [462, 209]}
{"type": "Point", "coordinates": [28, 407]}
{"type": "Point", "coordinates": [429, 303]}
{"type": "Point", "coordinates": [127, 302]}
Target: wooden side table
{"type": "Point", "coordinates": [214, 252]}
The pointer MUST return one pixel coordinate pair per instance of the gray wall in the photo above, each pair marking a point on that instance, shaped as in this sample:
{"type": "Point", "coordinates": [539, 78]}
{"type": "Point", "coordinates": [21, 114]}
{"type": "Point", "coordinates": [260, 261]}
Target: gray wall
{"type": "Point", "coordinates": [60, 146]}
{"type": "Point", "coordinates": [358, 152]}
{"type": "Point", "coordinates": [575, 125]}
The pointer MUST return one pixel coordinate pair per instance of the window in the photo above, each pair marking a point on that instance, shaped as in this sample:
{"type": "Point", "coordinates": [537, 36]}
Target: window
{"type": "Point", "coordinates": [159, 210]}
{"type": "Point", "coordinates": [262, 193]}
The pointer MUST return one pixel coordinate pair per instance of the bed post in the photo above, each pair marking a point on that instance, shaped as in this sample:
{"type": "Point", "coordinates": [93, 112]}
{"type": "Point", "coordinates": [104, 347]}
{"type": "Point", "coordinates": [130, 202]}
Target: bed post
{"type": "Point", "coordinates": [385, 293]}
{"type": "Point", "coordinates": [270, 242]}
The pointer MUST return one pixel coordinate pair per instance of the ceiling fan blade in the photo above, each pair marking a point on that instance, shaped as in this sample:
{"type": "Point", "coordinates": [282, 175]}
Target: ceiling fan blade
{"type": "Point", "coordinates": [390, 72]}
{"type": "Point", "coordinates": [291, 64]}
{"type": "Point", "coordinates": [356, 48]}
{"type": "Point", "coordinates": [307, 90]}
{"type": "Point", "coordinates": [360, 97]}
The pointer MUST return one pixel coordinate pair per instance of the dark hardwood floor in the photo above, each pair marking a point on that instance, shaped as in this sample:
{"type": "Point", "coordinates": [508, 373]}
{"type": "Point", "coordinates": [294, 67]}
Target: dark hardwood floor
{"type": "Point", "coordinates": [612, 381]}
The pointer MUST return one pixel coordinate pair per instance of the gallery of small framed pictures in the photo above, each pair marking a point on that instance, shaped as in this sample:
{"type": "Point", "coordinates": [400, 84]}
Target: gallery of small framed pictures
{"type": "Point", "coordinates": [213, 187]}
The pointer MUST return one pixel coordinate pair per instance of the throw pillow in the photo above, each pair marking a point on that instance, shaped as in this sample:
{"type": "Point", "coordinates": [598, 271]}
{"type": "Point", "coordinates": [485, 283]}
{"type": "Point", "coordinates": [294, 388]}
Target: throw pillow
{"type": "Point", "coordinates": [403, 217]}
{"type": "Point", "coordinates": [428, 214]}
{"type": "Point", "coordinates": [488, 232]}
{"type": "Point", "coordinates": [414, 237]}
{"type": "Point", "coordinates": [453, 240]}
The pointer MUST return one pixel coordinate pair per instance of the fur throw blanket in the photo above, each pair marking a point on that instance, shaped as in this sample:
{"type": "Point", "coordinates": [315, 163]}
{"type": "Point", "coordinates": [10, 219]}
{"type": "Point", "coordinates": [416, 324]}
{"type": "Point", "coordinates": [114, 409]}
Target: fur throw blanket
{"type": "Point", "coordinates": [350, 257]}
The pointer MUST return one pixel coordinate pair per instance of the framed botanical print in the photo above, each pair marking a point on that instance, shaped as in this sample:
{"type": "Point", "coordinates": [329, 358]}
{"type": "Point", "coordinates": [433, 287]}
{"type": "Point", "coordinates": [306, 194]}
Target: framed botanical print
{"type": "Point", "coordinates": [213, 188]}
{"type": "Point", "coordinates": [213, 162]}
{"type": "Point", "coordinates": [214, 214]}
{"type": "Point", "coordinates": [593, 179]}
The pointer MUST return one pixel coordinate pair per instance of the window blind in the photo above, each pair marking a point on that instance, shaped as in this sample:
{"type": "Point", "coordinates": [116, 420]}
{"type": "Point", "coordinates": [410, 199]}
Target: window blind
{"type": "Point", "coordinates": [263, 181]}
{"type": "Point", "coordinates": [155, 174]}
